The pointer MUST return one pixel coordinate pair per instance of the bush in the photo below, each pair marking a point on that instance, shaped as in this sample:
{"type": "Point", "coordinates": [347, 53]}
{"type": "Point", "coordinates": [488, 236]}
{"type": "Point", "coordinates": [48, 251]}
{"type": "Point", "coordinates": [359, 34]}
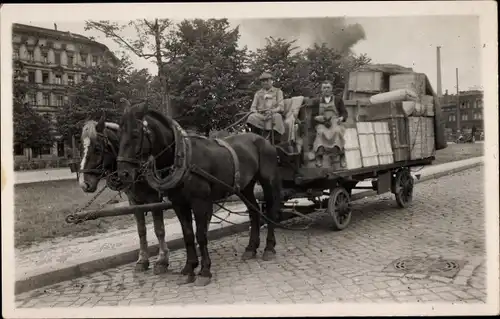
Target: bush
{"type": "Point", "coordinates": [25, 165]}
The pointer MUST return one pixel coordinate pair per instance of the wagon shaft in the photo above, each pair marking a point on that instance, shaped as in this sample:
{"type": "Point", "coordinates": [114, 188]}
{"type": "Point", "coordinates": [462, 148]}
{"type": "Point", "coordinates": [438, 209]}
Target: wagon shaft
{"type": "Point", "coordinates": [116, 211]}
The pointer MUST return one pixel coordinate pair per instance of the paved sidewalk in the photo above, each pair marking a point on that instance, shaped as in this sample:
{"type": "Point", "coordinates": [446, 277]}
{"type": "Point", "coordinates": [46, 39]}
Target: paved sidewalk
{"type": "Point", "coordinates": [358, 264]}
{"type": "Point", "coordinates": [66, 252]}
{"type": "Point", "coordinates": [45, 175]}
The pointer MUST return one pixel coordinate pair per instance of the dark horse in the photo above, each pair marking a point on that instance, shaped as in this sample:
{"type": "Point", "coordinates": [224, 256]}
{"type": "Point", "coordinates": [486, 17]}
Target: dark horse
{"type": "Point", "coordinates": [157, 148]}
{"type": "Point", "coordinates": [100, 149]}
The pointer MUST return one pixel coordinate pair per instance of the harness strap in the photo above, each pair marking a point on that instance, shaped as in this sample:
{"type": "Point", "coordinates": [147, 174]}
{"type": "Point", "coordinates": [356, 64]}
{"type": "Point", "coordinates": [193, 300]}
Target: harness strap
{"type": "Point", "coordinates": [236, 162]}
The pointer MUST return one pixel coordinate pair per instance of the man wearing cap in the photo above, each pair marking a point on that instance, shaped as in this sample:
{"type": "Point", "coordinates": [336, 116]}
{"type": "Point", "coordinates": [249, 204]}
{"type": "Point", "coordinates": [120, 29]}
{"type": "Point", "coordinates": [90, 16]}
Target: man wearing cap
{"type": "Point", "coordinates": [266, 108]}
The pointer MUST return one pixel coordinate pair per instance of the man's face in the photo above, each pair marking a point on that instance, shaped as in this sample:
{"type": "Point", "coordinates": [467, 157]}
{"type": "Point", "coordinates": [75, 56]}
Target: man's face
{"type": "Point", "coordinates": [326, 89]}
{"type": "Point", "coordinates": [266, 84]}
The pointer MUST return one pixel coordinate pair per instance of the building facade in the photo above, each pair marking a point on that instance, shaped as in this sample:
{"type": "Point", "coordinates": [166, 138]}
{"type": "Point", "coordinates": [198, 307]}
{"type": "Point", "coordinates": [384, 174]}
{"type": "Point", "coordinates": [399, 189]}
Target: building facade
{"type": "Point", "coordinates": [469, 114]}
{"type": "Point", "coordinates": [52, 60]}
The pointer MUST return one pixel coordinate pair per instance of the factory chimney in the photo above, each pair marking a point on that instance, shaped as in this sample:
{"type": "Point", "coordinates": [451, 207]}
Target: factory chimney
{"type": "Point", "coordinates": [438, 58]}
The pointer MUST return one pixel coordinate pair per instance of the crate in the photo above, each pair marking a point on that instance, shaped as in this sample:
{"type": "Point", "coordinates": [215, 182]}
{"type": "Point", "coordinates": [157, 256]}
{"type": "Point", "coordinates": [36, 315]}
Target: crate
{"type": "Point", "coordinates": [383, 142]}
{"type": "Point", "coordinates": [427, 102]}
{"type": "Point", "coordinates": [412, 81]}
{"type": "Point", "coordinates": [352, 153]}
{"type": "Point", "coordinates": [359, 96]}
{"type": "Point", "coordinates": [366, 81]}
{"type": "Point", "coordinates": [368, 146]}
{"type": "Point", "coordinates": [421, 137]}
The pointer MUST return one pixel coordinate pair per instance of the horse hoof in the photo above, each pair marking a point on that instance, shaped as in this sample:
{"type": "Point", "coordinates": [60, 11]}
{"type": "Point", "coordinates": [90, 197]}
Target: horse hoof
{"type": "Point", "coordinates": [184, 280]}
{"type": "Point", "coordinates": [248, 255]}
{"type": "Point", "coordinates": [202, 281]}
{"type": "Point", "coordinates": [142, 266]}
{"type": "Point", "coordinates": [268, 255]}
{"type": "Point", "coordinates": [160, 268]}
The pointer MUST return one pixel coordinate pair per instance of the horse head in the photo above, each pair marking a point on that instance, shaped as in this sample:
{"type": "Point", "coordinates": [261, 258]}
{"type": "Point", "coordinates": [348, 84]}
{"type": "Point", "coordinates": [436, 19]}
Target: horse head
{"type": "Point", "coordinates": [145, 134]}
{"type": "Point", "coordinates": [99, 145]}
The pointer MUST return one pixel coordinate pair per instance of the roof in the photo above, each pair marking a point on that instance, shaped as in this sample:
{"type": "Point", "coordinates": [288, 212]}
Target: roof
{"type": "Point", "coordinates": [61, 35]}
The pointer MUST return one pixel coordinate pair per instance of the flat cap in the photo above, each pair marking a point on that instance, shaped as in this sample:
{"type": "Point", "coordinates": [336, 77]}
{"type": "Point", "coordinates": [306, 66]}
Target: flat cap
{"type": "Point", "coordinates": [265, 76]}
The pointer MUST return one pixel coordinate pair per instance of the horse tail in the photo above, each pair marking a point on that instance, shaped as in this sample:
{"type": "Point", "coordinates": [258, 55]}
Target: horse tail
{"type": "Point", "coordinates": [269, 174]}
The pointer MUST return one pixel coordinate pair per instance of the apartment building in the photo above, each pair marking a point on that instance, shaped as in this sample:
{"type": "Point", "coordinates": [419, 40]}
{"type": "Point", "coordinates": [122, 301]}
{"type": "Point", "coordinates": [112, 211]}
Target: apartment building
{"type": "Point", "coordinates": [52, 60]}
{"type": "Point", "coordinates": [470, 112]}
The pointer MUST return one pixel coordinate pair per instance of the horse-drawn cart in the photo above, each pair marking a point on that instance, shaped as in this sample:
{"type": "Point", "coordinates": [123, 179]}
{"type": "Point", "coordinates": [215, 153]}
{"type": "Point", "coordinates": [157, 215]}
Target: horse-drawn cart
{"type": "Point", "coordinates": [393, 125]}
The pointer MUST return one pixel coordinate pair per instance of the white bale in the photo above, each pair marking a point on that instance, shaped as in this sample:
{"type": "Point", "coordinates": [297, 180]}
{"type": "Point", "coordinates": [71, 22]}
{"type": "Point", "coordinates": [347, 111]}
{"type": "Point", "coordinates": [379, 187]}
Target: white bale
{"type": "Point", "coordinates": [394, 96]}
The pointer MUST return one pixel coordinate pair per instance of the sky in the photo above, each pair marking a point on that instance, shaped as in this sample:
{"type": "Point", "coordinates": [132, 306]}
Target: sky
{"type": "Point", "coordinates": [407, 41]}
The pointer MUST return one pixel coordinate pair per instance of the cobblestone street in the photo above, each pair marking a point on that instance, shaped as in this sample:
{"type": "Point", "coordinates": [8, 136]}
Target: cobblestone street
{"type": "Point", "coordinates": [445, 222]}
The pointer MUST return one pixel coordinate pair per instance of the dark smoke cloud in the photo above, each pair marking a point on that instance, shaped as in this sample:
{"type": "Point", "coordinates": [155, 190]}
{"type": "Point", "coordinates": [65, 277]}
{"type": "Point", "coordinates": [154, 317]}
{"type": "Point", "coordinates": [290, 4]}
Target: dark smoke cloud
{"type": "Point", "coordinates": [335, 32]}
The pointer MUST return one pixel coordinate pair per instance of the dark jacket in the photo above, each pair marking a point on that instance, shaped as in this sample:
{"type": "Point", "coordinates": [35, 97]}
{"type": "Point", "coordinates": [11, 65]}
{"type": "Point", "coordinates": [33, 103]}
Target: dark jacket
{"type": "Point", "coordinates": [339, 104]}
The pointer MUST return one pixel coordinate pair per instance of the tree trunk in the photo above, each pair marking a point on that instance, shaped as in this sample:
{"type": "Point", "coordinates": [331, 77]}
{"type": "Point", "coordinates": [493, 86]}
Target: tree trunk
{"type": "Point", "coordinates": [165, 101]}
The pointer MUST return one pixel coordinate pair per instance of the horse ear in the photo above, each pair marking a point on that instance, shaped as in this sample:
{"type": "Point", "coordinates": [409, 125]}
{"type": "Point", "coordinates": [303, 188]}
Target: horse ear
{"type": "Point", "coordinates": [143, 109]}
{"type": "Point", "coordinates": [125, 104]}
{"type": "Point", "coordinates": [100, 125]}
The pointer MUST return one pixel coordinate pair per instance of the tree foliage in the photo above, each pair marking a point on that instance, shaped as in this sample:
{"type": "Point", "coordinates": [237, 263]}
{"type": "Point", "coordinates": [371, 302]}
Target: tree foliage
{"type": "Point", "coordinates": [150, 42]}
{"type": "Point", "coordinates": [207, 79]}
{"type": "Point", "coordinates": [31, 129]}
{"type": "Point", "coordinates": [205, 76]}
{"type": "Point", "coordinates": [100, 91]}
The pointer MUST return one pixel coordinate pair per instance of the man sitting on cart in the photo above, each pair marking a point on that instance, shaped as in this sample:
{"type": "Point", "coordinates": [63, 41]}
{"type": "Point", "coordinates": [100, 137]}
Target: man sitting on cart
{"type": "Point", "coordinates": [330, 114]}
{"type": "Point", "coordinates": [266, 108]}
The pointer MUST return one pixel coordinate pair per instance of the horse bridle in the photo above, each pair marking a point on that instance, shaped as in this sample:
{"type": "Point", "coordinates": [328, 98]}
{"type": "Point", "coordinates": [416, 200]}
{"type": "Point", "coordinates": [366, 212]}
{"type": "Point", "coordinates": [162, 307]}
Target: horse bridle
{"type": "Point", "coordinates": [99, 170]}
{"type": "Point", "coordinates": [137, 161]}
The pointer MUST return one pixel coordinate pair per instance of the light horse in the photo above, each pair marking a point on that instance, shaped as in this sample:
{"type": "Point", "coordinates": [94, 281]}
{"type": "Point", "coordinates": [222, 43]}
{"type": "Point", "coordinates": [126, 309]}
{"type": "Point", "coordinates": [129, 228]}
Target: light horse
{"type": "Point", "coordinates": [100, 146]}
{"type": "Point", "coordinates": [177, 165]}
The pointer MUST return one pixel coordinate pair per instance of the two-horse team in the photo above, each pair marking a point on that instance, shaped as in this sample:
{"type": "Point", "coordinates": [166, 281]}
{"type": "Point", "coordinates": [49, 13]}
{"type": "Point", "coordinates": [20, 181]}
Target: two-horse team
{"type": "Point", "coordinates": [150, 156]}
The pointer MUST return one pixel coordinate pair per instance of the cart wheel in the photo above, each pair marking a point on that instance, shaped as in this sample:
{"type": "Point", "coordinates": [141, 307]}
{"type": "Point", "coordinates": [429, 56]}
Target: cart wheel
{"type": "Point", "coordinates": [339, 208]}
{"type": "Point", "coordinates": [404, 188]}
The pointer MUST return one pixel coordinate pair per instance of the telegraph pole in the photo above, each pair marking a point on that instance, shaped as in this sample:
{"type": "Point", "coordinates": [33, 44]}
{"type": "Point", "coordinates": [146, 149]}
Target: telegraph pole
{"type": "Point", "coordinates": [458, 102]}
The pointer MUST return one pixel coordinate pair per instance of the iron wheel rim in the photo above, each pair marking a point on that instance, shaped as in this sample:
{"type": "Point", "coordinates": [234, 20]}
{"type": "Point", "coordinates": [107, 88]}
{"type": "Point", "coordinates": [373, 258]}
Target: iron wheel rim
{"type": "Point", "coordinates": [340, 208]}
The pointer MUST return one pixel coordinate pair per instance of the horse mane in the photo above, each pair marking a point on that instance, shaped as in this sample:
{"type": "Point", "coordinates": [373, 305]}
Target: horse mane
{"type": "Point", "coordinates": [89, 129]}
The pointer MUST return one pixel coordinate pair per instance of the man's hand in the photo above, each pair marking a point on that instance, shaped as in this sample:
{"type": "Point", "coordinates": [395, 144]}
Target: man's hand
{"type": "Point", "coordinates": [319, 118]}
{"type": "Point", "coordinates": [340, 120]}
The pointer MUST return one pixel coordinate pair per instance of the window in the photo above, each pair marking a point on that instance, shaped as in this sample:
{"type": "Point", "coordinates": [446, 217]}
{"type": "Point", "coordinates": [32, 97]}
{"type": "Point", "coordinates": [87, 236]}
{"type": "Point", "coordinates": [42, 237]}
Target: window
{"type": "Point", "coordinates": [71, 79]}
{"type": "Point", "coordinates": [478, 116]}
{"type": "Point", "coordinates": [57, 58]}
{"type": "Point", "coordinates": [15, 54]}
{"type": "Point", "coordinates": [18, 149]}
{"type": "Point", "coordinates": [451, 118]}
{"type": "Point", "coordinates": [479, 103]}
{"type": "Point", "coordinates": [94, 60]}
{"type": "Point", "coordinates": [58, 79]}
{"type": "Point", "coordinates": [31, 99]}
{"type": "Point", "coordinates": [465, 117]}
{"type": "Point", "coordinates": [45, 57]}
{"type": "Point", "coordinates": [45, 78]}
{"type": "Point", "coordinates": [71, 60]}
{"type": "Point", "coordinates": [31, 55]}
{"type": "Point", "coordinates": [46, 150]}
{"type": "Point", "coordinates": [59, 100]}
{"type": "Point", "coordinates": [45, 99]}
{"type": "Point", "coordinates": [83, 59]}
{"type": "Point", "coordinates": [31, 76]}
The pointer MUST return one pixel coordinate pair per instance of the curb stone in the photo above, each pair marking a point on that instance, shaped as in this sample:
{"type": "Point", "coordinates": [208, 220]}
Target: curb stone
{"type": "Point", "coordinates": [100, 262]}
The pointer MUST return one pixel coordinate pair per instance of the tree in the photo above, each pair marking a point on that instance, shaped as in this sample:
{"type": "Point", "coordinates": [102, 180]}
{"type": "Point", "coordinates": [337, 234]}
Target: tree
{"type": "Point", "coordinates": [150, 43]}
{"type": "Point", "coordinates": [31, 129]}
{"type": "Point", "coordinates": [205, 76]}
{"type": "Point", "coordinates": [284, 61]}
{"type": "Point", "coordinates": [100, 91]}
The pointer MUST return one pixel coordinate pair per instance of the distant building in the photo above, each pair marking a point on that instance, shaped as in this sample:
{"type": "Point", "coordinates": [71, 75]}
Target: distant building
{"type": "Point", "coordinates": [52, 60]}
{"type": "Point", "coordinates": [470, 112]}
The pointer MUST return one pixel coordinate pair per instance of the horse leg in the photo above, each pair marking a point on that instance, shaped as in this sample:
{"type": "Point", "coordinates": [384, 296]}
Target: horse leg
{"type": "Point", "coordinates": [142, 263]}
{"type": "Point", "coordinates": [254, 240]}
{"type": "Point", "coordinates": [161, 264]}
{"type": "Point", "coordinates": [272, 198]}
{"type": "Point", "coordinates": [203, 213]}
{"type": "Point", "coordinates": [185, 217]}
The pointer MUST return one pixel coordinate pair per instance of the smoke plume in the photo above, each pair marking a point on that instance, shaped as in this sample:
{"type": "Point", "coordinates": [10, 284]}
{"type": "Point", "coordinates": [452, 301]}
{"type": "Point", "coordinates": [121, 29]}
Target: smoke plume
{"type": "Point", "coordinates": [334, 32]}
